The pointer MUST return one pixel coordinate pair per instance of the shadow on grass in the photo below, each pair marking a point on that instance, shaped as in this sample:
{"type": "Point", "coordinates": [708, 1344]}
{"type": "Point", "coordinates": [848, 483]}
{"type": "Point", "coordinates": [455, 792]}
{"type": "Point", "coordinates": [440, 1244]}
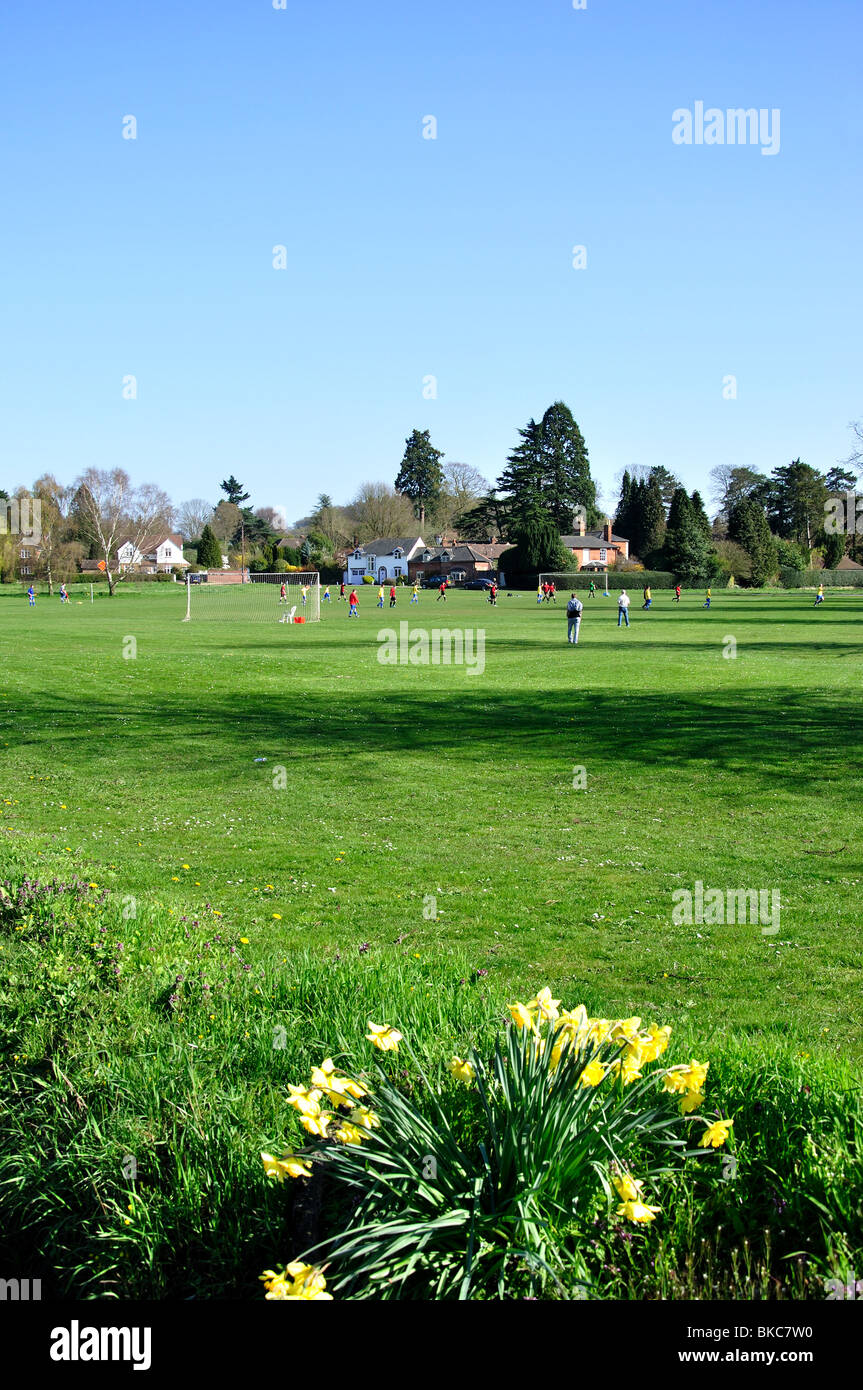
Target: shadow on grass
{"type": "Point", "coordinates": [777, 734]}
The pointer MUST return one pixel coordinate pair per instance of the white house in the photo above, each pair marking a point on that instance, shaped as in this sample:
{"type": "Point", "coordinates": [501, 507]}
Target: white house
{"type": "Point", "coordinates": [155, 554]}
{"type": "Point", "coordinates": [386, 559]}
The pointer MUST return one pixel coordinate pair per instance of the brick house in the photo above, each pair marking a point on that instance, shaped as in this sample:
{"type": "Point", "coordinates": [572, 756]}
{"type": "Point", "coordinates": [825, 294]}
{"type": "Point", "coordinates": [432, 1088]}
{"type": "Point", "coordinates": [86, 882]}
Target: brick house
{"type": "Point", "coordinates": [471, 560]}
{"type": "Point", "coordinates": [596, 549]}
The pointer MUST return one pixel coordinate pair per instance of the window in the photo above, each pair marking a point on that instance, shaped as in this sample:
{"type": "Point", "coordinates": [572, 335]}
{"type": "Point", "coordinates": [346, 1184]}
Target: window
{"type": "Point", "coordinates": [25, 555]}
{"type": "Point", "coordinates": [25, 569]}
{"type": "Point", "coordinates": [397, 569]}
{"type": "Point", "coordinates": [603, 556]}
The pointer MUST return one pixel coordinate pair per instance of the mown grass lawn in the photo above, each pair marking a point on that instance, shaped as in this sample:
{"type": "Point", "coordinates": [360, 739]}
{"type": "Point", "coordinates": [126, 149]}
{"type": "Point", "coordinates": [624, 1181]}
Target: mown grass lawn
{"type": "Point", "coordinates": [427, 860]}
{"type": "Point", "coordinates": [408, 784]}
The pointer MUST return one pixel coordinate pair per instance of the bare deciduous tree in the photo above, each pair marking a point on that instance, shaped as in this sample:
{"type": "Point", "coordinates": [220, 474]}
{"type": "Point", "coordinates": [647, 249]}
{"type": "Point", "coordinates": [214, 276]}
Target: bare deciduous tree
{"type": "Point", "coordinates": [192, 517]}
{"type": "Point", "coordinates": [111, 511]}
{"type": "Point", "coordinates": [381, 511]}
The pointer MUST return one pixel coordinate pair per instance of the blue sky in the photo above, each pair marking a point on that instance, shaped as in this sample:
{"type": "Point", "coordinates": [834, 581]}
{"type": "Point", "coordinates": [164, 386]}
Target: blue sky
{"type": "Point", "coordinates": [409, 257]}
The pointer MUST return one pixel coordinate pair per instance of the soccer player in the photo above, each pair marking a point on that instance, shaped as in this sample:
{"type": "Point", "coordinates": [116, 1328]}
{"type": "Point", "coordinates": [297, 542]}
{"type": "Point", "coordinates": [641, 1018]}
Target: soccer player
{"type": "Point", "coordinates": [341, 591]}
{"type": "Point", "coordinates": [415, 595]}
{"type": "Point", "coordinates": [353, 604]}
{"type": "Point", "coordinates": [676, 598]}
{"type": "Point", "coordinates": [492, 595]}
{"type": "Point", "coordinates": [305, 591]}
{"type": "Point", "coordinates": [592, 590]}
{"type": "Point", "coordinates": [819, 597]}
{"type": "Point", "coordinates": [31, 596]}
{"type": "Point", "coordinates": [283, 593]}
{"type": "Point", "coordinates": [551, 593]}
{"type": "Point", "coordinates": [539, 593]}
{"type": "Point", "coordinates": [623, 608]}
{"type": "Point", "coordinates": [326, 597]}
{"type": "Point", "coordinates": [380, 603]}
{"type": "Point", "coordinates": [706, 603]}
{"type": "Point", "coordinates": [574, 611]}
{"type": "Point", "coordinates": [647, 596]}
{"type": "Point", "coordinates": [64, 597]}
{"type": "Point", "coordinates": [392, 596]}
{"type": "Point", "coordinates": [441, 593]}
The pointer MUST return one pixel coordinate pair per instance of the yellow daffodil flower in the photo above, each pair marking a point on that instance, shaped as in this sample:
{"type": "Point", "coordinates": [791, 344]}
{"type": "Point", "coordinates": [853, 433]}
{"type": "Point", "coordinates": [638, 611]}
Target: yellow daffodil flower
{"type": "Point", "coordinates": [545, 1005]}
{"type": "Point", "coordinates": [522, 1017]}
{"type": "Point", "coordinates": [365, 1117]}
{"type": "Point", "coordinates": [291, 1167]}
{"type": "Point", "coordinates": [304, 1100]}
{"type": "Point", "coordinates": [637, 1211]}
{"type": "Point", "coordinates": [690, 1102]}
{"type": "Point", "coordinates": [348, 1133]}
{"type": "Point", "coordinates": [715, 1134]}
{"type": "Point", "coordinates": [384, 1037]}
{"type": "Point", "coordinates": [627, 1187]}
{"type": "Point", "coordinates": [316, 1124]}
{"type": "Point", "coordinates": [462, 1071]}
{"type": "Point", "coordinates": [592, 1075]}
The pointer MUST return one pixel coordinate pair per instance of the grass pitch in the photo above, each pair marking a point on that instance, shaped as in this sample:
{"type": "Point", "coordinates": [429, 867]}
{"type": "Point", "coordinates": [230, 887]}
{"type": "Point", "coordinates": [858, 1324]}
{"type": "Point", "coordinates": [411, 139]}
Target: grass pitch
{"type": "Point", "coordinates": [439, 805]}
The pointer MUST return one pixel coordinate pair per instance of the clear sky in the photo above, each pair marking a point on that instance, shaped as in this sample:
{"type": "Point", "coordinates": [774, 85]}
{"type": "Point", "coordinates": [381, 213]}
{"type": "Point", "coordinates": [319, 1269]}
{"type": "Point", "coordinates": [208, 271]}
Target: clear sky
{"type": "Point", "coordinates": [410, 257]}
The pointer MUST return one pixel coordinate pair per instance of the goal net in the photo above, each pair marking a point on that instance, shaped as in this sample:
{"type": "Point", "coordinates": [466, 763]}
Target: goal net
{"type": "Point", "coordinates": [264, 598]}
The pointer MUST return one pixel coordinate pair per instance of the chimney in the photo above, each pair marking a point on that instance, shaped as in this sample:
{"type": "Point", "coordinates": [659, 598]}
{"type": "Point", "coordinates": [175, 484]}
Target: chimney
{"type": "Point", "coordinates": [438, 540]}
{"type": "Point", "coordinates": [606, 531]}
{"type": "Point", "coordinates": [580, 523]}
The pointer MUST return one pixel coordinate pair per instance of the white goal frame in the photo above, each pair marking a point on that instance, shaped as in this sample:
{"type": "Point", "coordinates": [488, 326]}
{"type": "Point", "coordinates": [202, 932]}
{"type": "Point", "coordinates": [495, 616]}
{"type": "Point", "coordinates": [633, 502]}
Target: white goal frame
{"type": "Point", "coordinates": [294, 583]}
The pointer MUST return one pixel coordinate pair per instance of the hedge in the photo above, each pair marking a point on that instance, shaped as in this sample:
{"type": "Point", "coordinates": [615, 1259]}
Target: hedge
{"type": "Point", "coordinates": [810, 579]}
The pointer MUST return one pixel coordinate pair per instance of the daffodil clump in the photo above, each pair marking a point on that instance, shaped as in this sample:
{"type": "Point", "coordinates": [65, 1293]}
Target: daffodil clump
{"type": "Point", "coordinates": [569, 1113]}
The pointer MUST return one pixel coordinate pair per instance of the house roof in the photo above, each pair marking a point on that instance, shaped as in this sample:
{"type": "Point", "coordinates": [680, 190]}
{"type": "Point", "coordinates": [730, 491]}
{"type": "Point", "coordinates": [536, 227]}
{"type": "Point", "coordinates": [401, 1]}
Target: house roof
{"type": "Point", "coordinates": [591, 539]}
{"type": "Point", "coordinates": [387, 545]}
{"type": "Point", "coordinates": [456, 552]}
{"type": "Point", "coordinates": [846, 563]}
{"type": "Point", "coordinates": [150, 544]}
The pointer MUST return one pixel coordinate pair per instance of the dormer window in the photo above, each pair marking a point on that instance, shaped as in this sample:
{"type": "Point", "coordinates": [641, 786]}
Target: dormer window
{"type": "Point", "coordinates": [398, 552]}
{"type": "Point", "coordinates": [426, 555]}
{"type": "Point", "coordinates": [445, 555]}
{"type": "Point", "coordinates": [357, 555]}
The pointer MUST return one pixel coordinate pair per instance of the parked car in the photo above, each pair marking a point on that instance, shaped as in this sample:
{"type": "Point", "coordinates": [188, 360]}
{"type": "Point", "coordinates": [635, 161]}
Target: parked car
{"type": "Point", "coordinates": [433, 581]}
{"type": "Point", "coordinates": [478, 584]}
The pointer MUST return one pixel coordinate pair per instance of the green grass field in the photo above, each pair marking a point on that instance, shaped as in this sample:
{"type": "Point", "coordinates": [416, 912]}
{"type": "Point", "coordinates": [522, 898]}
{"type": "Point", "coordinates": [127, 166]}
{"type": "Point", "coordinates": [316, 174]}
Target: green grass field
{"type": "Point", "coordinates": [404, 783]}
{"type": "Point", "coordinates": [428, 814]}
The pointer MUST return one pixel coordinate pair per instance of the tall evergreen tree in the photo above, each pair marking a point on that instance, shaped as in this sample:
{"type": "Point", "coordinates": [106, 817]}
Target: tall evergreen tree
{"type": "Point", "coordinates": [747, 525]}
{"type": "Point", "coordinates": [701, 515]}
{"type": "Point", "coordinates": [209, 550]}
{"type": "Point", "coordinates": [687, 552]}
{"type": "Point", "coordinates": [623, 513]}
{"type": "Point", "coordinates": [668, 484]}
{"type": "Point", "coordinates": [795, 506]}
{"type": "Point", "coordinates": [420, 476]}
{"type": "Point", "coordinates": [234, 491]}
{"type": "Point", "coordinates": [538, 539]}
{"type": "Point", "coordinates": [653, 519]}
{"type": "Point", "coordinates": [550, 463]}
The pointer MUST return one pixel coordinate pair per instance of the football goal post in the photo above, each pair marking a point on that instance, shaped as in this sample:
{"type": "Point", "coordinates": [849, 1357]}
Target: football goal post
{"type": "Point", "coordinates": [264, 598]}
{"type": "Point", "coordinates": [561, 578]}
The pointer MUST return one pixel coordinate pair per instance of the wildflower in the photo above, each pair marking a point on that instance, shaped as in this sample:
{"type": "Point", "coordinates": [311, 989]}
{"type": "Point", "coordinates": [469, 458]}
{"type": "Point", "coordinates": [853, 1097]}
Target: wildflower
{"type": "Point", "coordinates": [715, 1134]}
{"type": "Point", "coordinates": [184, 866]}
{"type": "Point", "coordinates": [545, 1005]}
{"type": "Point", "coordinates": [384, 1037]}
{"type": "Point", "coordinates": [244, 941]}
{"type": "Point", "coordinates": [277, 916]}
{"type": "Point", "coordinates": [292, 1167]}
{"type": "Point", "coordinates": [627, 1187]}
{"type": "Point", "coordinates": [637, 1211]}
{"type": "Point", "coordinates": [462, 1071]}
